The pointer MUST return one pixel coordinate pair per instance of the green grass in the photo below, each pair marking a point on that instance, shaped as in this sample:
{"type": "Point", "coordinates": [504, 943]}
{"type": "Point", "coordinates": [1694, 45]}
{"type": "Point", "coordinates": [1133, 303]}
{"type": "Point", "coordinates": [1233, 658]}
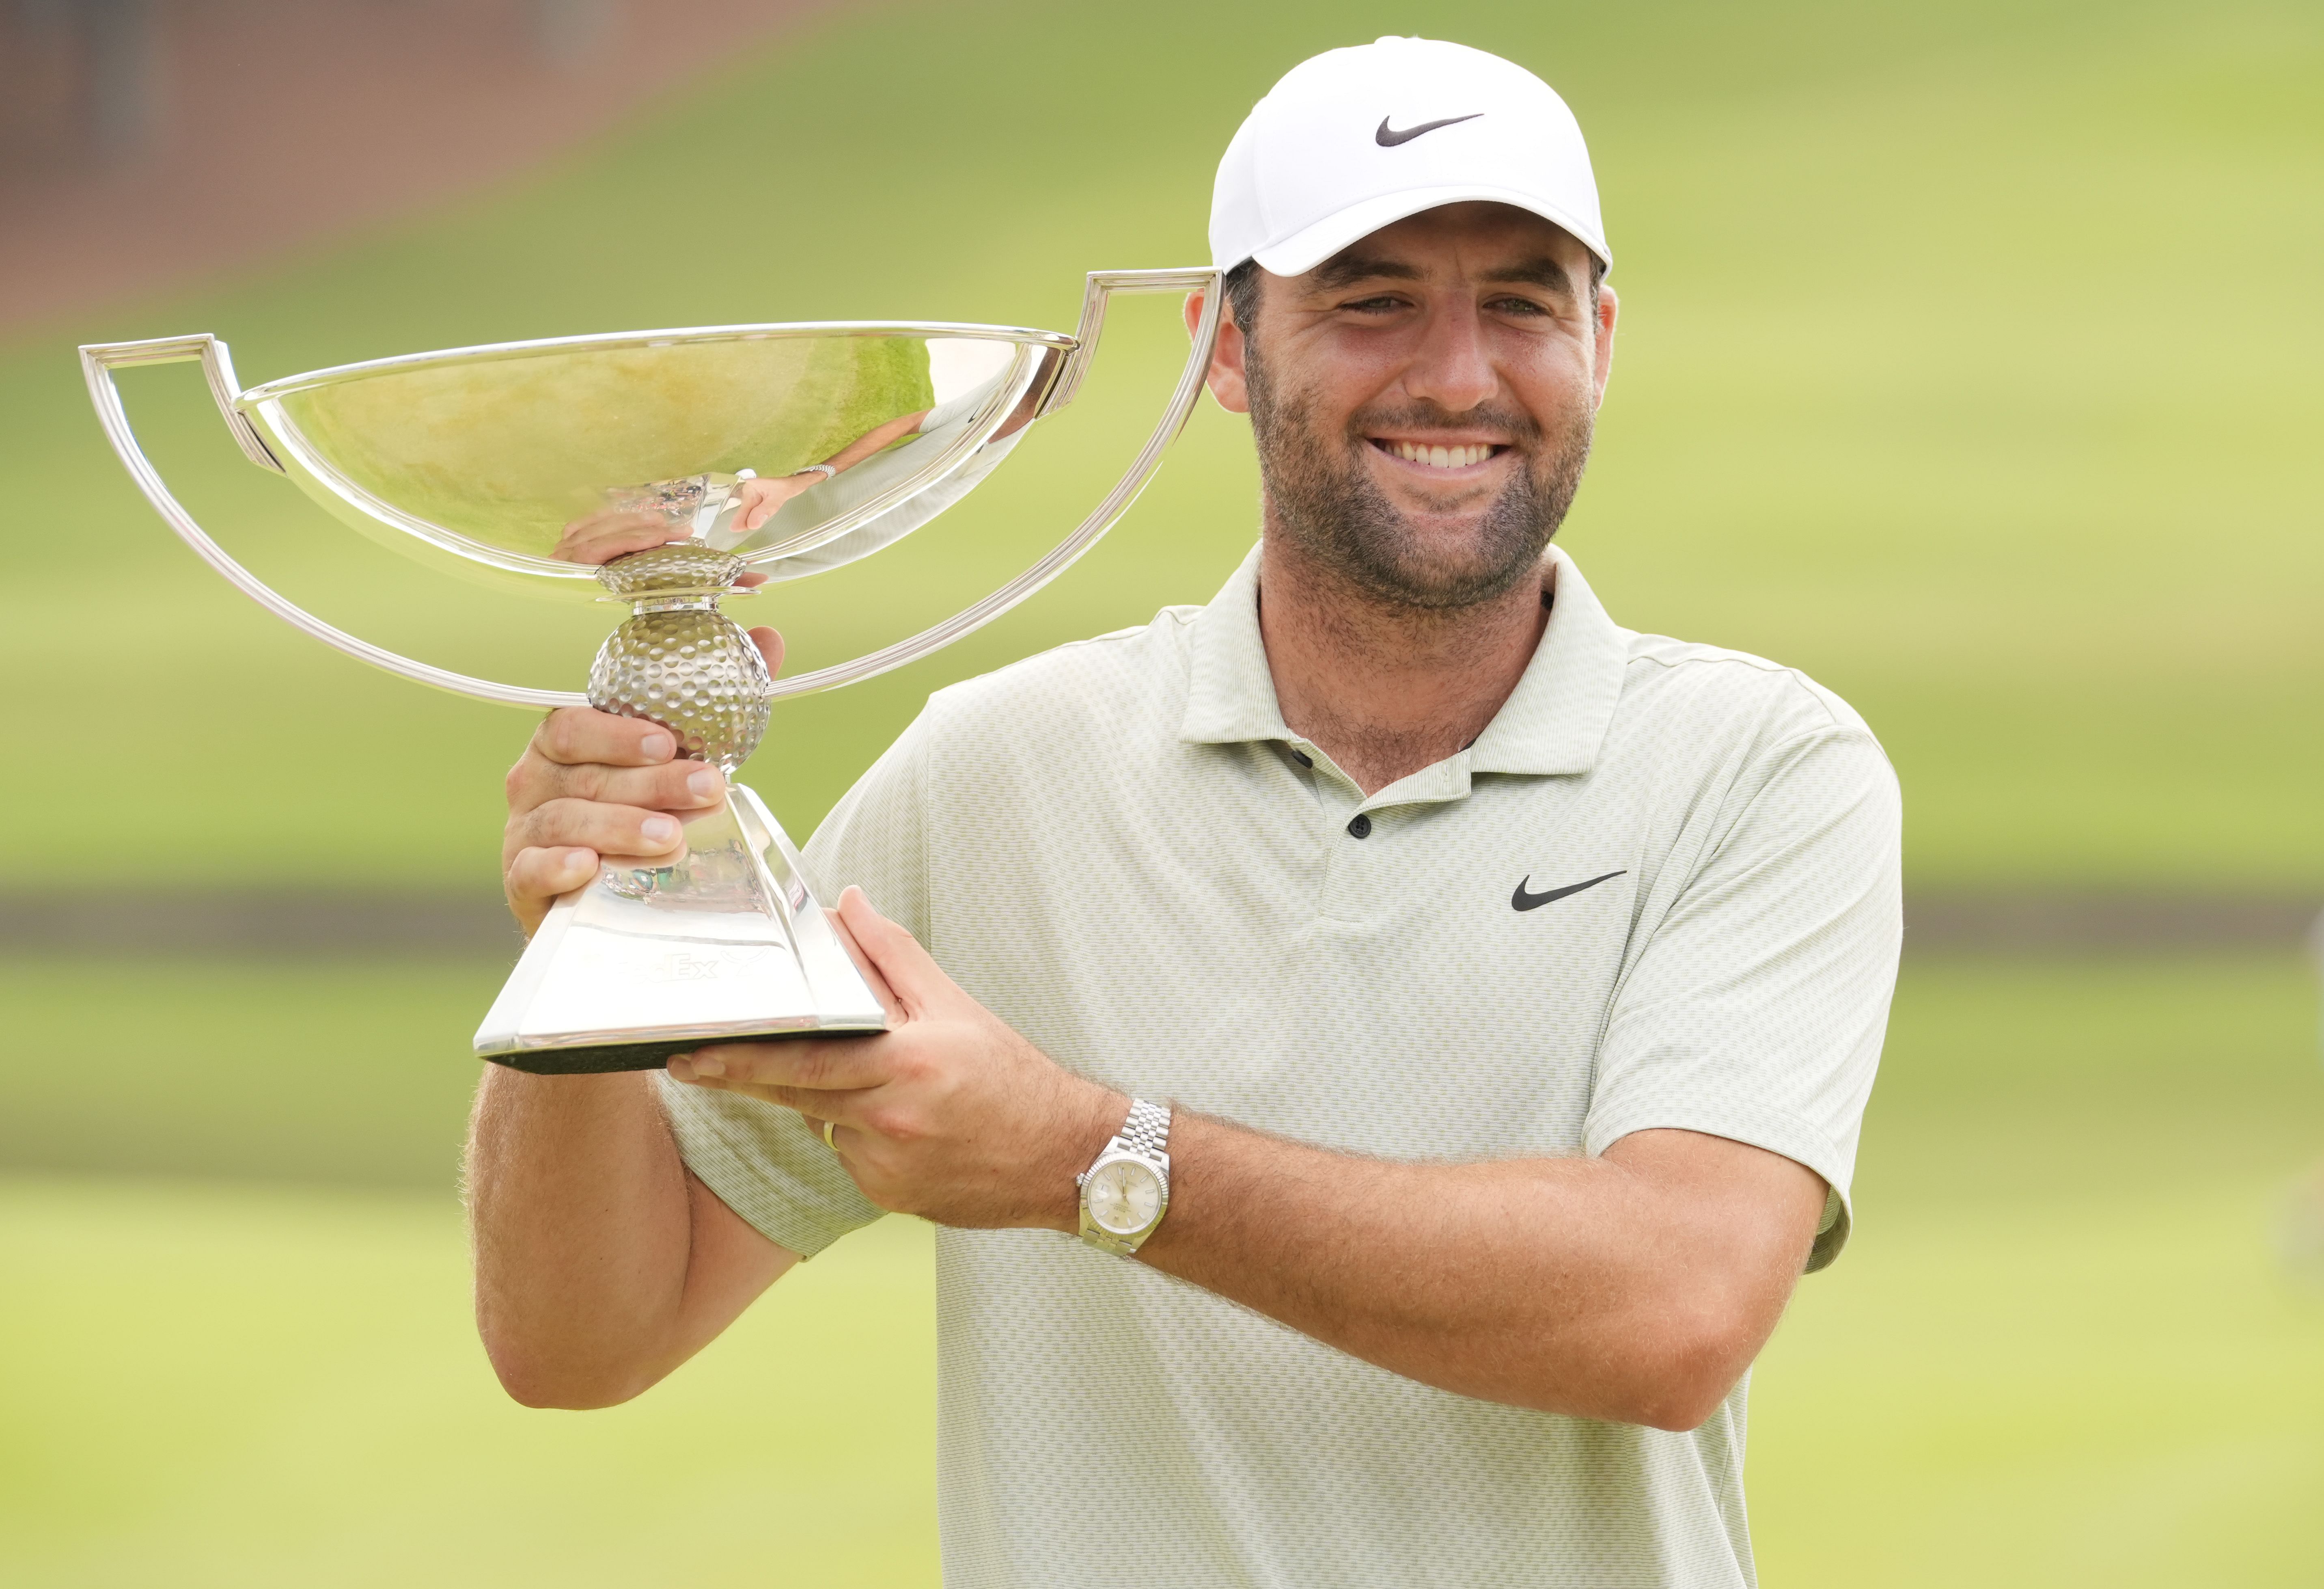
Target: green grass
{"type": "Point", "coordinates": [300, 1070]}
{"type": "Point", "coordinates": [2116, 1388]}
{"type": "Point", "coordinates": [1969, 363]}
{"type": "Point", "coordinates": [2057, 1350]}
{"type": "Point", "coordinates": [237, 1388]}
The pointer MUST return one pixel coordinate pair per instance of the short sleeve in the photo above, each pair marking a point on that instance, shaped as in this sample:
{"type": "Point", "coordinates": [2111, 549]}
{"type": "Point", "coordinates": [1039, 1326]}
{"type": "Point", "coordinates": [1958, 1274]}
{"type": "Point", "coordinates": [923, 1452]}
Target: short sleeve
{"type": "Point", "coordinates": [1756, 1009]}
{"type": "Point", "coordinates": [761, 1160]}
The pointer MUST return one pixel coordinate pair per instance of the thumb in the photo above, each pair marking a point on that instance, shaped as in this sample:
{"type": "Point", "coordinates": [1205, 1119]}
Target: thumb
{"type": "Point", "coordinates": [770, 646]}
{"type": "Point", "coordinates": [918, 982]}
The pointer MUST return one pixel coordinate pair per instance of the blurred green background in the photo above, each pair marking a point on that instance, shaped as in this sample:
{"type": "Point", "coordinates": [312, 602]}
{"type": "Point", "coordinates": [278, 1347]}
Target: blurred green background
{"type": "Point", "coordinates": [1969, 361]}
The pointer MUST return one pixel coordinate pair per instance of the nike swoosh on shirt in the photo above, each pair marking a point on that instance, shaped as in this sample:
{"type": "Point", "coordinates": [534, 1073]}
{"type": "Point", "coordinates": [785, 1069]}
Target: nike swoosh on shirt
{"type": "Point", "coordinates": [1522, 900]}
{"type": "Point", "coordinates": [1387, 139]}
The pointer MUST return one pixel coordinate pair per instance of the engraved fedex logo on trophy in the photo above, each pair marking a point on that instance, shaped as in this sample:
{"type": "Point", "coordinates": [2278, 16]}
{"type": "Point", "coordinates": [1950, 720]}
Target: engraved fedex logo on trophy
{"type": "Point", "coordinates": [681, 967]}
{"type": "Point", "coordinates": [767, 453]}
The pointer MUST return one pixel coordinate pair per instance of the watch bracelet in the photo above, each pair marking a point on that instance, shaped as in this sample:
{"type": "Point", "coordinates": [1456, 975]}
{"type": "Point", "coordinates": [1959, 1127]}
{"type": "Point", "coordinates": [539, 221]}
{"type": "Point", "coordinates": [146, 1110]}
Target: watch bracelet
{"type": "Point", "coordinates": [1147, 1131]}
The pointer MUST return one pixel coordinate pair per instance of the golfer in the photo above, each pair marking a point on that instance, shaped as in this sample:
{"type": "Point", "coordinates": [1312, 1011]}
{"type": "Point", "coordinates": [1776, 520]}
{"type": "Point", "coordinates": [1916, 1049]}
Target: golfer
{"type": "Point", "coordinates": [1379, 1048]}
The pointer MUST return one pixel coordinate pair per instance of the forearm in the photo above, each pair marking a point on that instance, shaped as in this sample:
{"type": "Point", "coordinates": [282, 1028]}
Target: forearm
{"type": "Point", "coordinates": [1636, 1285]}
{"type": "Point", "coordinates": [585, 1227]}
{"type": "Point", "coordinates": [1581, 1286]}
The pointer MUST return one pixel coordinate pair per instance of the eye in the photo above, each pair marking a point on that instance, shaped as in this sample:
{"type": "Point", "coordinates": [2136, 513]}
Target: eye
{"type": "Point", "coordinates": [1385, 303]}
{"type": "Point", "coordinates": [1520, 307]}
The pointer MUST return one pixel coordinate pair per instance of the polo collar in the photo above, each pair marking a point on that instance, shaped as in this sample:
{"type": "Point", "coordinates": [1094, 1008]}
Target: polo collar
{"type": "Point", "coordinates": [1230, 693]}
{"type": "Point", "coordinates": [1553, 721]}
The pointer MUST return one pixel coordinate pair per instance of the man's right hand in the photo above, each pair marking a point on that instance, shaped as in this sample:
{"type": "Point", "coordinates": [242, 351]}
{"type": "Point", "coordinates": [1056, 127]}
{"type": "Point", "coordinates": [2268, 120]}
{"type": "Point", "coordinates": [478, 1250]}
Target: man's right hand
{"type": "Point", "coordinates": [593, 787]}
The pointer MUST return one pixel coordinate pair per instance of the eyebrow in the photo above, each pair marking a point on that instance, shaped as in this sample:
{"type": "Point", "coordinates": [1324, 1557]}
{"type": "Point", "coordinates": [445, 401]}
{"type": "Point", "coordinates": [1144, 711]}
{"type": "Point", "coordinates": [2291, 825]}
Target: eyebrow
{"type": "Point", "coordinates": [1539, 272]}
{"type": "Point", "coordinates": [1345, 270]}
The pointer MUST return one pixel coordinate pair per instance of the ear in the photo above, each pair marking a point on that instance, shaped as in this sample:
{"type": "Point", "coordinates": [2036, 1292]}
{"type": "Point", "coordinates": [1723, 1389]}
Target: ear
{"type": "Point", "coordinates": [1226, 378]}
{"type": "Point", "coordinates": [1610, 307]}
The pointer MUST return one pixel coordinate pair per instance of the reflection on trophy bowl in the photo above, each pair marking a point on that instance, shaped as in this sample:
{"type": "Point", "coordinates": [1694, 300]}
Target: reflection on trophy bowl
{"type": "Point", "coordinates": [664, 468]}
{"type": "Point", "coordinates": [496, 455]}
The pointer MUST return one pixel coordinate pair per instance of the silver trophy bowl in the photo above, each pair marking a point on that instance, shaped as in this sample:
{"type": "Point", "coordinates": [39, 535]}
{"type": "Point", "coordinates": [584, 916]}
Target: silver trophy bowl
{"type": "Point", "coordinates": [770, 450]}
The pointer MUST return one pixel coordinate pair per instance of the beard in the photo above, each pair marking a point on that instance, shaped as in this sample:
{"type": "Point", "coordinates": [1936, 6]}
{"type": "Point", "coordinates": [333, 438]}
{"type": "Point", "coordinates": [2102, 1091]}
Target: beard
{"type": "Point", "coordinates": [1320, 495]}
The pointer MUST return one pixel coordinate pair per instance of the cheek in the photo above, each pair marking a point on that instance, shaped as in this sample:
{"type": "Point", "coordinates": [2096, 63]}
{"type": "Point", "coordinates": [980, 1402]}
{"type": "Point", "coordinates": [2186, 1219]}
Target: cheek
{"type": "Point", "coordinates": [1555, 390]}
{"type": "Point", "coordinates": [1325, 381]}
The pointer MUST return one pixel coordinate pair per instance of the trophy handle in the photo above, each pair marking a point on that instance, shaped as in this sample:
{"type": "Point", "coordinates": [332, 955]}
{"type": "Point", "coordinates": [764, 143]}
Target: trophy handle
{"type": "Point", "coordinates": [99, 360]}
{"type": "Point", "coordinates": [98, 363]}
{"type": "Point", "coordinates": [1102, 286]}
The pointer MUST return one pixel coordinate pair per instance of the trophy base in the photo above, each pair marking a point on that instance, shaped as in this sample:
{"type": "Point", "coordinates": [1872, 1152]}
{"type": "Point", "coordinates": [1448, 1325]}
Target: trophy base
{"type": "Point", "coordinates": [726, 944]}
{"type": "Point", "coordinates": [612, 1057]}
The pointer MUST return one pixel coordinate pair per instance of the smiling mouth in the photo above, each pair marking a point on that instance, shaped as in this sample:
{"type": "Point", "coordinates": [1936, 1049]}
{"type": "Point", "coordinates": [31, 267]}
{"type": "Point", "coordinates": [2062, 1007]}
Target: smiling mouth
{"type": "Point", "coordinates": [1465, 455]}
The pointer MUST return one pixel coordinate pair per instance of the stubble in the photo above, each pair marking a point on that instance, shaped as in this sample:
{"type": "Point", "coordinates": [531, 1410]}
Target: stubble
{"type": "Point", "coordinates": [1321, 494]}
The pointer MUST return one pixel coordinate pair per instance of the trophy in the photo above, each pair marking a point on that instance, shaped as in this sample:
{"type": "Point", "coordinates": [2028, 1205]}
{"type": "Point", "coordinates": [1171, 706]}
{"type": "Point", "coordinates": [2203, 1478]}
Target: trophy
{"type": "Point", "coordinates": [770, 450]}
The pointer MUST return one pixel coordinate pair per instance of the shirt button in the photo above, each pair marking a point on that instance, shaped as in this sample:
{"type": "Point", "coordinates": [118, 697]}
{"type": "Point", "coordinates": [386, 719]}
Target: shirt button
{"type": "Point", "coordinates": [1361, 826]}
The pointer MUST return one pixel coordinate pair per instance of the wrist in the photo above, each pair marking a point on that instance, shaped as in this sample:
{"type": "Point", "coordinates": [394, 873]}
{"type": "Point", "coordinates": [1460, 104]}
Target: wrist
{"type": "Point", "coordinates": [1093, 1114]}
{"type": "Point", "coordinates": [1126, 1191]}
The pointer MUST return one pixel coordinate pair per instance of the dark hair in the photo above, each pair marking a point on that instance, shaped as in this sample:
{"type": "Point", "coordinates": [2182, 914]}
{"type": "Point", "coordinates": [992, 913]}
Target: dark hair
{"type": "Point", "coordinates": [1242, 292]}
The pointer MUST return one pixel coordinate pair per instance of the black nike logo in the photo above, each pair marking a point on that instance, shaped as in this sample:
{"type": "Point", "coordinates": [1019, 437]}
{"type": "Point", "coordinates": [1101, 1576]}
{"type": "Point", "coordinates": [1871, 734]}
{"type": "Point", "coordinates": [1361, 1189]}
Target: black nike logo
{"type": "Point", "coordinates": [1389, 140]}
{"type": "Point", "coordinates": [1522, 900]}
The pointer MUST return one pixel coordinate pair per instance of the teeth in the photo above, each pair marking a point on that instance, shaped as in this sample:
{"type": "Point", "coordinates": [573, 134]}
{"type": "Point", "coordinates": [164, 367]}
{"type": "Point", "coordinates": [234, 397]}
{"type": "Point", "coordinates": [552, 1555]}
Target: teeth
{"type": "Point", "coordinates": [1442, 458]}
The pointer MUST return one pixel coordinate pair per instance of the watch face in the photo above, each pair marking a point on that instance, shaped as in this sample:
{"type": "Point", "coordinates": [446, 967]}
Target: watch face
{"type": "Point", "coordinates": [1124, 1196]}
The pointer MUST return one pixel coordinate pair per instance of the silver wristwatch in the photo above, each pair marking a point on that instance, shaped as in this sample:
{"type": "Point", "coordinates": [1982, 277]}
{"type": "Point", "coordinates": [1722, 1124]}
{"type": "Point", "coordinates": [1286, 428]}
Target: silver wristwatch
{"type": "Point", "coordinates": [1126, 1192]}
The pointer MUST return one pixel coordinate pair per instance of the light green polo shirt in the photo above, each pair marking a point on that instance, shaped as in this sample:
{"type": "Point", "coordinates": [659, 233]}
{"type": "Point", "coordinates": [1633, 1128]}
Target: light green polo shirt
{"type": "Point", "coordinates": [1119, 848]}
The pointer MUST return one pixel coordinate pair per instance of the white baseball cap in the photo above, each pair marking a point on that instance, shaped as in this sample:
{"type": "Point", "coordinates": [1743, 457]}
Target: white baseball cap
{"type": "Point", "coordinates": [1356, 139]}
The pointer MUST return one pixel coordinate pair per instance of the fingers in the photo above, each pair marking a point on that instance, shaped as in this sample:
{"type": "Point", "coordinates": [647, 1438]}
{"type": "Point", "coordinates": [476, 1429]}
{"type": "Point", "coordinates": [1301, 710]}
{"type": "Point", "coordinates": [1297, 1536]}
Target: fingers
{"type": "Point", "coordinates": [536, 877]}
{"type": "Point", "coordinates": [685, 789]}
{"type": "Point", "coordinates": [759, 505]}
{"type": "Point", "coordinates": [919, 983]}
{"type": "Point", "coordinates": [835, 1135]}
{"type": "Point", "coordinates": [600, 538]}
{"type": "Point", "coordinates": [865, 969]}
{"type": "Point", "coordinates": [572, 735]}
{"type": "Point", "coordinates": [763, 498]}
{"type": "Point", "coordinates": [615, 832]}
{"type": "Point", "coordinates": [822, 1076]}
{"type": "Point", "coordinates": [580, 754]}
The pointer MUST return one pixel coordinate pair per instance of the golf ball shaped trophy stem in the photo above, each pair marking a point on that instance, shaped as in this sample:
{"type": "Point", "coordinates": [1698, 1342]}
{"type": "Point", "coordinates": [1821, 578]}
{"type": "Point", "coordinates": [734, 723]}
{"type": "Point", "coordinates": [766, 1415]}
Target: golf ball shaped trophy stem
{"type": "Point", "coordinates": [488, 460]}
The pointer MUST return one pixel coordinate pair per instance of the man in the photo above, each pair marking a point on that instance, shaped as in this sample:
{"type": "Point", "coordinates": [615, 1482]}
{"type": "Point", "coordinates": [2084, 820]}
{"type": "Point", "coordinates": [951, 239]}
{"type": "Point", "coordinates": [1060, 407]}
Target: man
{"type": "Point", "coordinates": [1445, 1015]}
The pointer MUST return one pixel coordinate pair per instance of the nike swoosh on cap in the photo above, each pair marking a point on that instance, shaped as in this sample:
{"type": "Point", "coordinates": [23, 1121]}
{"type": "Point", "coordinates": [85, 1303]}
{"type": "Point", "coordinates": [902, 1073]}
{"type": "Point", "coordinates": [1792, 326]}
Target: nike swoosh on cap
{"type": "Point", "coordinates": [1389, 140]}
{"type": "Point", "coordinates": [1522, 900]}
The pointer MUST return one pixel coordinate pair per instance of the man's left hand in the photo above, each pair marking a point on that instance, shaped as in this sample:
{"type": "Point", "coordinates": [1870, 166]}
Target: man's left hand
{"type": "Point", "coordinates": [949, 1114]}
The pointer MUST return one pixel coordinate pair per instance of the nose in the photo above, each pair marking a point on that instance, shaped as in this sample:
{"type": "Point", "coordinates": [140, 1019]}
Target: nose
{"type": "Point", "coordinates": [1452, 366]}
